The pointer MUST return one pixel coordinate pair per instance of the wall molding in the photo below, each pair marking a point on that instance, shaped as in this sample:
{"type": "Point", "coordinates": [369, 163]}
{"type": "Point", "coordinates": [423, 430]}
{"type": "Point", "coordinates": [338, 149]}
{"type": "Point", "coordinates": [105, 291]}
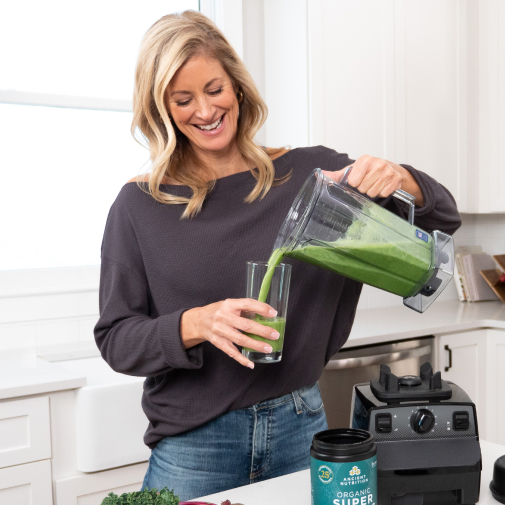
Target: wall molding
{"type": "Point", "coordinates": [49, 281]}
{"type": "Point", "coordinates": [49, 291]}
{"type": "Point", "coordinates": [65, 101]}
{"type": "Point", "coordinates": [49, 294]}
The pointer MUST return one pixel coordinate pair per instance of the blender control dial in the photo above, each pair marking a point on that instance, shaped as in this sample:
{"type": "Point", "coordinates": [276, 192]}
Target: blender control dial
{"type": "Point", "coordinates": [422, 421]}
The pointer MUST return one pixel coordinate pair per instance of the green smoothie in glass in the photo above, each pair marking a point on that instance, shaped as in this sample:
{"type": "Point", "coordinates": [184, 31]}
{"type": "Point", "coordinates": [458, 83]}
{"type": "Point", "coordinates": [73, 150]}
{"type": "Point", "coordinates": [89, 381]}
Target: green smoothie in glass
{"type": "Point", "coordinates": [276, 323]}
{"type": "Point", "coordinates": [268, 283]}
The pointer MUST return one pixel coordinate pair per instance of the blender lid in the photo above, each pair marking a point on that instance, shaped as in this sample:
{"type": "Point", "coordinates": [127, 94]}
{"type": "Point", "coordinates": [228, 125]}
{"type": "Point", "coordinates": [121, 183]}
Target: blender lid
{"type": "Point", "coordinates": [497, 485]}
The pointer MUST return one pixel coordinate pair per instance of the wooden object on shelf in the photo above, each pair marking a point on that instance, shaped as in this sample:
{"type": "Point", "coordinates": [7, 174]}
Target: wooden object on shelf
{"type": "Point", "coordinates": [500, 259]}
{"type": "Point", "coordinates": [492, 277]}
{"type": "Point", "coordinates": [478, 288]}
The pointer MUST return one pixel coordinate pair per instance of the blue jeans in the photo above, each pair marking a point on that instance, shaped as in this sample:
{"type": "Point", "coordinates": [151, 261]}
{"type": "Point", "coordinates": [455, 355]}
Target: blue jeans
{"type": "Point", "coordinates": [266, 440]}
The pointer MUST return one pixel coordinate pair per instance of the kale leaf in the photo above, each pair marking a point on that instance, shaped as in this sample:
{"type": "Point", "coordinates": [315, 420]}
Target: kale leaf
{"type": "Point", "coordinates": [146, 497]}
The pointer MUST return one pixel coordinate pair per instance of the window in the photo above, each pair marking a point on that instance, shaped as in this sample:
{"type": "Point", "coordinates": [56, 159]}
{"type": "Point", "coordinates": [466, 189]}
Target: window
{"type": "Point", "coordinates": [65, 114]}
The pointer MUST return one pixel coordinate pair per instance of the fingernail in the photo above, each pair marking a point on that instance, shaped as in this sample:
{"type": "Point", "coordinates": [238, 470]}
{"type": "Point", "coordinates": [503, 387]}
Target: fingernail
{"type": "Point", "coordinates": [275, 335]}
{"type": "Point", "coordinates": [268, 348]}
{"type": "Point", "coordinates": [250, 365]}
{"type": "Point", "coordinates": [272, 312]}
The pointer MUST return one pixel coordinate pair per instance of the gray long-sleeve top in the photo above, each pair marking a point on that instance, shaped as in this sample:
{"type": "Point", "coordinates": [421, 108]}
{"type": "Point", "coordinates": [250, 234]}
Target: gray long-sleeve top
{"type": "Point", "coordinates": [155, 266]}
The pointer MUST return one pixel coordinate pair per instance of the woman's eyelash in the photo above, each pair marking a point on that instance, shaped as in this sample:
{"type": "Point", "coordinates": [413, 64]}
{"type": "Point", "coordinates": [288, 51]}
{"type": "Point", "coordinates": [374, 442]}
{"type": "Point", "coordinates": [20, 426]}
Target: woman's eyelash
{"type": "Point", "coordinates": [213, 93]}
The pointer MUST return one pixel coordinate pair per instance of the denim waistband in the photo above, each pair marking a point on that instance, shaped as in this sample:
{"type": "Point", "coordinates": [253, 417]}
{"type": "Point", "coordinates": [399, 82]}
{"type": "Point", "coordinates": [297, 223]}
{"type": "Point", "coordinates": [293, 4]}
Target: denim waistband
{"type": "Point", "coordinates": [294, 396]}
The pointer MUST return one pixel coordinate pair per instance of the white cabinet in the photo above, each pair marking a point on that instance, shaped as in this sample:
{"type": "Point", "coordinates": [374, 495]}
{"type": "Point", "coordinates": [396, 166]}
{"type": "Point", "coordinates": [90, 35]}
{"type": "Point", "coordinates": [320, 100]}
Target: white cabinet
{"type": "Point", "coordinates": [24, 440]}
{"type": "Point", "coordinates": [91, 489]}
{"type": "Point", "coordinates": [24, 431]}
{"type": "Point", "coordinates": [475, 360]}
{"type": "Point", "coordinates": [495, 410]}
{"type": "Point", "coordinates": [26, 484]}
{"type": "Point", "coordinates": [414, 81]}
{"type": "Point", "coordinates": [463, 361]}
{"type": "Point", "coordinates": [491, 107]}
{"type": "Point", "coordinates": [389, 79]}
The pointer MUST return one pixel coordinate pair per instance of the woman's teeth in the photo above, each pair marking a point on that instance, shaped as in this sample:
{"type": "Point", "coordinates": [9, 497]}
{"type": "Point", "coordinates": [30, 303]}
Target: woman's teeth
{"type": "Point", "coordinates": [212, 126]}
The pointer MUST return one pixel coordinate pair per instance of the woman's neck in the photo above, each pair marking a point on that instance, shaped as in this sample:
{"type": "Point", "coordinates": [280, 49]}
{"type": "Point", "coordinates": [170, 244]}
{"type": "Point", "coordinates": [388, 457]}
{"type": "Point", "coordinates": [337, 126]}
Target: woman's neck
{"type": "Point", "coordinates": [222, 163]}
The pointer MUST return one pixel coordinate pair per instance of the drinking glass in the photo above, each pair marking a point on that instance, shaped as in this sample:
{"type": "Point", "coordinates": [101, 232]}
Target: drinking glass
{"type": "Point", "coordinates": [277, 298]}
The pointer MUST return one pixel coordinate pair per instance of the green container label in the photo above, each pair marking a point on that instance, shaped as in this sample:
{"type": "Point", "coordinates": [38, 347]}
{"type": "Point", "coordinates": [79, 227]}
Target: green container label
{"type": "Point", "coordinates": [344, 483]}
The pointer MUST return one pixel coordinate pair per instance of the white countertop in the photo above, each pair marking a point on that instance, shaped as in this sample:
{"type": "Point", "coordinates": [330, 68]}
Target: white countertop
{"type": "Point", "coordinates": [373, 326]}
{"type": "Point", "coordinates": [294, 489]}
{"type": "Point", "coordinates": [22, 373]}
{"type": "Point", "coordinates": [33, 371]}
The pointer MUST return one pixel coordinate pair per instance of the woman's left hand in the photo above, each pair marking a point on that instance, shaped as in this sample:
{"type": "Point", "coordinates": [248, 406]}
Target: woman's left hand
{"type": "Point", "coordinates": [378, 177]}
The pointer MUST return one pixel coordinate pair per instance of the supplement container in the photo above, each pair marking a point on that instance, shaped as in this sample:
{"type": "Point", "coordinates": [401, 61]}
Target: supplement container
{"type": "Point", "coordinates": [343, 468]}
{"type": "Point", "coordinates": [333, 226]}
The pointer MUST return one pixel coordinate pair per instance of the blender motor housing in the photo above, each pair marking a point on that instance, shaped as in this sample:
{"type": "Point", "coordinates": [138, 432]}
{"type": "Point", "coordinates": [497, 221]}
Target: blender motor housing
{"type": "Point", "coordinates": [427, 438]}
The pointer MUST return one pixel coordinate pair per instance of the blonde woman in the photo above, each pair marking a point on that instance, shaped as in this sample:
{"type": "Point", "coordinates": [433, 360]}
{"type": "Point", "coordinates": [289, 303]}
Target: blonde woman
{"type": "Point", "coordinates": [174, 252]}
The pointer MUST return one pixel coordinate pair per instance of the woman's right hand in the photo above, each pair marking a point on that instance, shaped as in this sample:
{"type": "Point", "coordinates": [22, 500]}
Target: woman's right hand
{"type": "Point", "coordinates": [219, 323]}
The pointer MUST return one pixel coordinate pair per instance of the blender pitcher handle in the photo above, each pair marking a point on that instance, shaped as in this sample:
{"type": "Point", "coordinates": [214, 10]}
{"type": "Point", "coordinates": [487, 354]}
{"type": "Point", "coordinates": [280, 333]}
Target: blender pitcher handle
{"type": "Point", "coordinates": [400, 194]}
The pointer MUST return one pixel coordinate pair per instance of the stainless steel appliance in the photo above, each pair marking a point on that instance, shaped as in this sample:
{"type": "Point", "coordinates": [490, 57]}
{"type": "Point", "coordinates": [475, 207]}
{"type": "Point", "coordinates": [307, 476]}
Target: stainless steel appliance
{"type": "Point", "coordinates": [361, 364]}
{"type": "Point", "coordinates": [427, 439]}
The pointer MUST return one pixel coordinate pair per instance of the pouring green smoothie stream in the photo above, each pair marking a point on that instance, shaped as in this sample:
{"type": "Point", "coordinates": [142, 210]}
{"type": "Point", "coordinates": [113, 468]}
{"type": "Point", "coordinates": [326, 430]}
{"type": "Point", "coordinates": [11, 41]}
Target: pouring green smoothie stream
{"type": "Point", "coordinates": [397, 267]}
{"type": "Point", "coordinates": [276, 323]}
{"type": "Point", "coordinates": [388, 266]}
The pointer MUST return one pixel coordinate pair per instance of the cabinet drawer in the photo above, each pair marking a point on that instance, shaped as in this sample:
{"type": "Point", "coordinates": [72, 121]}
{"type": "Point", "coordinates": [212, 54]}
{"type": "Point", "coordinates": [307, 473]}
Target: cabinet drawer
{"type": "Point", "coordinates": [27, 484]}
{"type": "Point", "coordinates": [24, 431]}
{"type": "Point", "coordinates": [92, 488]}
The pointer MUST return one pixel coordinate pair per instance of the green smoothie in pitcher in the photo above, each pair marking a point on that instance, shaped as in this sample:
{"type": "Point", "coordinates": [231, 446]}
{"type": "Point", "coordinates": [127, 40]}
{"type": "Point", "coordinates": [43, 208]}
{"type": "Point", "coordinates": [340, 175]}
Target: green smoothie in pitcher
{"type": "Point", "coordinates": [393, 267]}
{"type": "Point", "coordinates": [397, 267]}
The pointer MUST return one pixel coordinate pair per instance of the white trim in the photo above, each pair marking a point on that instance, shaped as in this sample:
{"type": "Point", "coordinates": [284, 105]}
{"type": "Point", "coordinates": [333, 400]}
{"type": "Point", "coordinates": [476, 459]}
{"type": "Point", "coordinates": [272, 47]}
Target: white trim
{"type": "Point", "coordinates": [400, 83]}
{"type": "Point", "coordinates": [286, 73]}
{"type": "Point", "coordinates": [69, 308]}
{"type": "Point", "coordinates": [388, 80]}
{"type": "Point", "coordinates": [61, 290]}
{"type": "Point", "coordinates": [43, 294]}
{"type": "Point", "coordinates": [208, 8]}
{"type": "Point", "coordinates": [315, 61]}
{"type": "Point", "coordinates": [64, 101]}
{"type": "Point", "coordinates": [491, 106]}
{"type": "Point", "coordinates": [227, 14]}
{"type": "Point", "coordinates": [49, 281]}
{"type": "Point", "coordinates": [462, 105]}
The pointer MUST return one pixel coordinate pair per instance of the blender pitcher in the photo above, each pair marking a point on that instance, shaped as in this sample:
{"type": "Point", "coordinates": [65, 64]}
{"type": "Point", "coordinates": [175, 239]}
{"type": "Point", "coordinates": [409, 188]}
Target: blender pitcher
{"type": "Point", "coordinates": [333, 226]}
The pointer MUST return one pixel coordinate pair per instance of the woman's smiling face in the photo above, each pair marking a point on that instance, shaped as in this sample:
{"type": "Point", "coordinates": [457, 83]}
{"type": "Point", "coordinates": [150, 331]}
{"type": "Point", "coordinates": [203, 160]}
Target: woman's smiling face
{"type": "Point", "coordinates": [203, 104]}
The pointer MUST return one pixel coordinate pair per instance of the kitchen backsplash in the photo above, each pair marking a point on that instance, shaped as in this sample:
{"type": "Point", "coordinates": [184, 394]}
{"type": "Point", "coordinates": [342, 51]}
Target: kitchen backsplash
{"type": "Point", "coordinates": [60, 317]}
{"type": "Point", "coordinates": [46, 332]}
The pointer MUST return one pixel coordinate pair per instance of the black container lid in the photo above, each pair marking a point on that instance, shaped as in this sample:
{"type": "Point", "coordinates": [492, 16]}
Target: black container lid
{"type": "Point", "coordinates": [343, 442]}
{"type": "Point", "coordinates": [497, 485]}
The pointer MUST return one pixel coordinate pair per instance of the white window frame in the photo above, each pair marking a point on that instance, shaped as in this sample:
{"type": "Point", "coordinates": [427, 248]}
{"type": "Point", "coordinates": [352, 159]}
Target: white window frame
{"type": "Point", "coordinates": [227, 14]}
{"type": "Point", "coordinates": [65, 101]}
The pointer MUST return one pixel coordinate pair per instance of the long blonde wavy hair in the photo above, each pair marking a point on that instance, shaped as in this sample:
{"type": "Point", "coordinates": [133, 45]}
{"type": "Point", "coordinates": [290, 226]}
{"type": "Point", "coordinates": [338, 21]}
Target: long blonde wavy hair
{"type": "Point", "coordinates": [166, 46]}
